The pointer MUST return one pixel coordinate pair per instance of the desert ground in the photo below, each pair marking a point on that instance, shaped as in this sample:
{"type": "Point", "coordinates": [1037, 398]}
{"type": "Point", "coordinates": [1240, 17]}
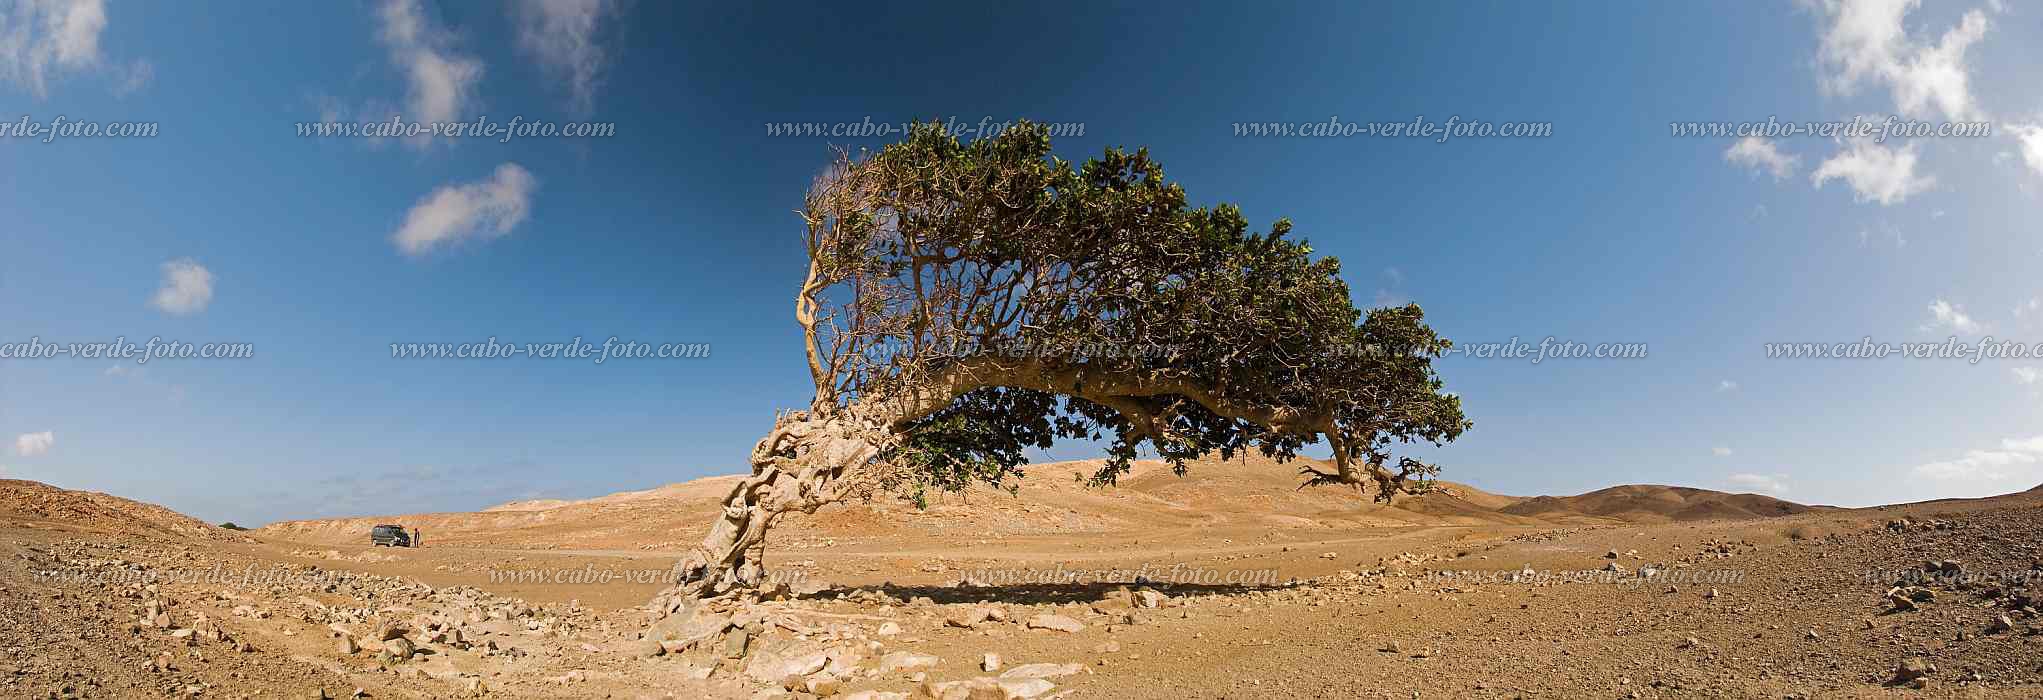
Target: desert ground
{"type": "Point", "coordinates": [1226, 583]}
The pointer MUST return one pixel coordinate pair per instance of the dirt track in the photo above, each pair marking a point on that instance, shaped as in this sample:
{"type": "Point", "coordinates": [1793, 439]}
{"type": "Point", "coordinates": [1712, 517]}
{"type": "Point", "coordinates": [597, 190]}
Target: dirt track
{"type": "Point", "coordinates": [1795, 612]}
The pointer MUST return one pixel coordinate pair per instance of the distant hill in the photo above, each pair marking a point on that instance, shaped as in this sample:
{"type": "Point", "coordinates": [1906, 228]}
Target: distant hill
{"type": "Point", "coordinates": [1248, 494]}
{"type": "Point", "coordinates": [38, 504]}
{"type": "Point", "coordinates": [1646, 503]}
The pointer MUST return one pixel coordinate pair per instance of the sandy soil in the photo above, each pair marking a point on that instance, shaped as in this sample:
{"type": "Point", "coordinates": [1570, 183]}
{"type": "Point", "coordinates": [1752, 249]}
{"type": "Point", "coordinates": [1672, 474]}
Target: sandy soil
{"type": "Point", "coordinates": [1249, 589]}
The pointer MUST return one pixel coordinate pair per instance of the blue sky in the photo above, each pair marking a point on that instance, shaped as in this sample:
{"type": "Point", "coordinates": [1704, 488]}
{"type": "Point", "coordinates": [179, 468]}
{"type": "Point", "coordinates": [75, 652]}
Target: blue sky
{"type": "Point", "coordinates": [229, 227]}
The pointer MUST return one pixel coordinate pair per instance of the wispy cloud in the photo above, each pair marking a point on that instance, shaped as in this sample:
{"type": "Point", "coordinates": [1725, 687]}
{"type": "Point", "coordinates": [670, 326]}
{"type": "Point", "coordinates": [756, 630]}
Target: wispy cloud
{"type": "Point", "coordinates": [484, 209]}
{"type": "Point", "coordinates": [187, 287]}
{"type": "Point", "coordinates": [1866, 42]}
{"type": "Point", "coordinates": [2027, 375]}
{"type": "Point", "coordinates": [1764, 483]}
{"type": "Point", "coordinates": [41, 40]}
{"type": "Point", "coordinates": [1761, 155]}
{"type": "Point", "coordinates": [1875, 172]}
{"type": "Point", "coordinates": [1391, 293]}
{"type": "Point", "coordinates": [32, 444]}
{"type": "Point", "coordinates": [2029, 140]}
{"type": "Point", "coordinates": [132, 78]}
{"type": "Point", "coordinates": [1946, 315]}
{"type": "Point", "coordinates": [2016, 459]}
{"type": "Point", "coordinates": [561, 35]}
{"type": "Point", "coordinates": [1721, 451]}
{"type": "Point", "coordinates": [1726, 385]}
{"type": "Point", "coordinates": [441, 81]}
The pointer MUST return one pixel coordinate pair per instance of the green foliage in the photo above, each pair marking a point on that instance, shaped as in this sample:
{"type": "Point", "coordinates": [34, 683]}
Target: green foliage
{"type": "Point", "coordinates": [1136, 317]}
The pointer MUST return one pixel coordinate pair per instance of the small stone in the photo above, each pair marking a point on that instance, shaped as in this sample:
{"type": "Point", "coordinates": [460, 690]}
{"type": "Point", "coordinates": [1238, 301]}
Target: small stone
{"type": "Point", "coordinates": [989, 662]}
{"type": "Point", "coordinates": [822, 686]}
{"type": "Point", "coordinates": [967, 618]}
{"type": "Point", "coordinates": [1058, 623]}
{"type": "Point", "coordinates": [1391, 647]}
{"type": "Point", "coordinates": [399, 648]}
{"type": "Point", "coordinates": [647, 648]}
{"type": "Point", "coordinates": [1042, 671]}
{"type": "Point", "coordinates": [2001, 623]}
{"type": "Point", "coordinates": [348, 647]}
{"type": "Point", "coordinates": [1025, 688]}
{"type": "Point", "coordinates": [888, 629]}
{"type": "Point", "coordinates": [735, 643]}
{"type": "Point", "coordinates": [1913, 669]}
{"type": "Point", "coordinates": [906, 661]}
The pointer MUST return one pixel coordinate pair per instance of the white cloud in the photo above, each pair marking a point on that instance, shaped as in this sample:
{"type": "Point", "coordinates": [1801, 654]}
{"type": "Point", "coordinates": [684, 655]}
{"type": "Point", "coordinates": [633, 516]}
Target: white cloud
{"type": "Point", "coordinates": [1726, 385]}
{"type": "Point", "coordinates": [2016, 459]}
{"type": "Point", "coordinates": [187, 287]}
{"type": "Point", "coordinates": [2027, 375]}
{"type": "Point", "coordinates": [2028, 307]}
{"type": "Point", "coordinates": [134, 77]}
{"type": "Point", "coordinates": [43, 39]}
{"type": "Point", "coordinates": [2030, 137]}
{"type": "Point", "coordinates": [32, 444]}
{"type": "Point", "coordinates": [1865, 41]}
{"type": "Point", "coordinates": [442, 81]}
{"type": "Point", "coordinates": [484, 209]}
{"type": "Point", "coordinates": [1761, 155]}
{"type": "Point", "coordinates": [1944, 314]}
{"type": "Point", "coordinates": [1389, 294]}
{"type": "Point", "coordinates": [1875, 173]}
{"type": "Point", "coordinates": [1721, 451]}
{"type": "Point", "coordinates": [561, 36]}
{"type": "Point", "coordinates": [1774, 483]}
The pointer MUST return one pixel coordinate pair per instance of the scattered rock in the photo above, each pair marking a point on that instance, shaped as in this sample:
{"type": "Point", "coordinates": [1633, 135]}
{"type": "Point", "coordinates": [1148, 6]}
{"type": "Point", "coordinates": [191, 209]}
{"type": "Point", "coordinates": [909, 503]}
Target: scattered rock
{"type": "Point", "coordinates": [1042, 671]}
{"type": "Point", "coordinates": [1059, 623]}
{"type": "Point", "coordinates": [2001, 623]}
{"type": "Point", "coordinates": [895, 662]}
{"type": "Point", "coordinates": [1913, 670]}
{"type": "Point", "coordinates": [990, 662]}
{"type": "Point", "coordinates": [399, 648]}
{"type": "Point", "coordinates": [967, 618]}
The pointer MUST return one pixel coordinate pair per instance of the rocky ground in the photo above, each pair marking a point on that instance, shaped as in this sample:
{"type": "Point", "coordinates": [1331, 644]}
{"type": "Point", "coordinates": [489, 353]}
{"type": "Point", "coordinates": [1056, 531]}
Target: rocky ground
{"type": "Point", "coordinates": [1931, 599]}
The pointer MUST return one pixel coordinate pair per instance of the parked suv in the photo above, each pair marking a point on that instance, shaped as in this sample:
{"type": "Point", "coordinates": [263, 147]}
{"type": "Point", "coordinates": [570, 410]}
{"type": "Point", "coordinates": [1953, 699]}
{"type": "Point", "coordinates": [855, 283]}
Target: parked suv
{"type": "Point", "coordinates": [389, 536]}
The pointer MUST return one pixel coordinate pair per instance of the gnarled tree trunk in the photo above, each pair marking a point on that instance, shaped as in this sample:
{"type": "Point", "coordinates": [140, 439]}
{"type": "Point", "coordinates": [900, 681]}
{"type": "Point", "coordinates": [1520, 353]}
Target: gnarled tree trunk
{"type": "Point", "coordinates": [806, 462]}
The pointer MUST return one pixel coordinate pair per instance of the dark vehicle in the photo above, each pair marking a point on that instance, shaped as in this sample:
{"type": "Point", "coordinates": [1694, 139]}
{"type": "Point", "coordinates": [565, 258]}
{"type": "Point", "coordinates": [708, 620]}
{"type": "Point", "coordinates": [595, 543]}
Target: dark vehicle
{"type": "Point", "coordinates": [389, 536]}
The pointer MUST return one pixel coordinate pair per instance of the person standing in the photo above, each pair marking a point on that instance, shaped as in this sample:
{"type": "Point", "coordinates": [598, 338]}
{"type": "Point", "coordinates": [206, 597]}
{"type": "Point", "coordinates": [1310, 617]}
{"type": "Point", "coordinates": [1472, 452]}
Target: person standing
{"type": "Point", "coordinates": [416, 539]}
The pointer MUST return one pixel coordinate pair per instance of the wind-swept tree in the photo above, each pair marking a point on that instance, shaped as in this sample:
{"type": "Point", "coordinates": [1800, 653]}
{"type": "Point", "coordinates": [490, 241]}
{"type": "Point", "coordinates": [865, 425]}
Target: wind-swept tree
{"type": "Point", "coordinates": [965, 301]}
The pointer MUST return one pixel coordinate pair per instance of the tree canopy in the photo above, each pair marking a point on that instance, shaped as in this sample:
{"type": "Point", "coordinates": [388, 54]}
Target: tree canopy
{"type": "Point", "coordinates": [980, 298]}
